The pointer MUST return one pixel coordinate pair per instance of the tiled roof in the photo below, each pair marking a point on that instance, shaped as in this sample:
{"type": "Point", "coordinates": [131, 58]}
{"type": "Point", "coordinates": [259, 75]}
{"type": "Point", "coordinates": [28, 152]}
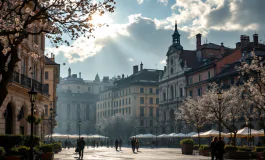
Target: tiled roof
{"type": "Point", "coordinates": [212, 46]}
{"type": "Point", "coordinates": [50, 62]}
{"type": "Point", "coordinates": [190, 58]}
{"type": "Point", "coordinates": [145, 76]}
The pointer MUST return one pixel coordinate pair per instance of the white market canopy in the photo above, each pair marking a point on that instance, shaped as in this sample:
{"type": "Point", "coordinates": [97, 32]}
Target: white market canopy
{"type": "Point", "coordinates": [212, 133]}
{"type": "Point", "coordinates": [171, 135]}
{"type": "Point", "coordinates": [190, 134]}
{"type": "Point", "coordinates": [59, 135]}
{"type": "Point", "coordinates": [246, 131]}
{"type": "Point", "coordinates": [162, 136]}
{"type": "Point", "coordinates": [144, 136]}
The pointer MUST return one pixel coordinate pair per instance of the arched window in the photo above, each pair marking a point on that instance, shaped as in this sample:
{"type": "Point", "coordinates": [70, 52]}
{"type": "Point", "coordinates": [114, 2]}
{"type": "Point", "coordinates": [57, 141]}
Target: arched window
{"type": "Point", "coordinates": [164, 96]}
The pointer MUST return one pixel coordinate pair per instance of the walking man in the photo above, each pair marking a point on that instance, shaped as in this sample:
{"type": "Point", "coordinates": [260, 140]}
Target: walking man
{"type": "Point", "coordinates": [81, 145]}
{"type": "Point", "coordinates": [213, 147]}
{"type": "Point", "coordinates": [120, 143]}
{"type": "Point", "coordinates": [220, 148]}
{"type": "Point", "coordinates": [116, 144]}
{"type": "Point", "coordinates": [133, 144]}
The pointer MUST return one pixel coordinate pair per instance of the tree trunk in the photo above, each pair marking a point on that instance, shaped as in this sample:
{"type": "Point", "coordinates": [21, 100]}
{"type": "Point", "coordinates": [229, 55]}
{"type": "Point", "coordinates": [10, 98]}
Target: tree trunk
{"type": "Point", "coordinates": [7, 75]}
{"type": "Point", "coordinates": [234, 139]}
{"type": "Point", "coordinates": [199, 139]}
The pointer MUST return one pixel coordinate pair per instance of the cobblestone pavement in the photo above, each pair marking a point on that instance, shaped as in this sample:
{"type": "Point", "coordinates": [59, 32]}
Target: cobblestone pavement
{"type": "Point", "coordinates": [103, 153]}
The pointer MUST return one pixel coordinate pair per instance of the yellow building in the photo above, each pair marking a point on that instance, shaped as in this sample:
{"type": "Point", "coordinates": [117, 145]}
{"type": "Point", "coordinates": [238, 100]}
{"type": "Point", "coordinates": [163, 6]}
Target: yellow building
{"type": "Point", "coordinates": [51, 77]}
{"type": "Point", "coordinates": [136, 95]}
{"type": "Point", "coordinates": [28, 71]}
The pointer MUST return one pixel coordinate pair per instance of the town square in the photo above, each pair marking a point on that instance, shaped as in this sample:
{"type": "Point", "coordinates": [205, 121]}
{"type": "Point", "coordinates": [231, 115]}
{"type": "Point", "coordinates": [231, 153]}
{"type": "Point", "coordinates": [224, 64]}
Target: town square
{"type": "Point", "coordinates": [132, 79]}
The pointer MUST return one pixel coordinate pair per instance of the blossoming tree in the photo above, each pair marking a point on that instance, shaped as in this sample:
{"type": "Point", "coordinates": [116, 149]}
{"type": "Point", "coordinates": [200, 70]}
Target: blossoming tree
{"type": "Point", "coordinates": [192, 113]}
{"type": "Point", "coordinates": [224, 112]}
{"type": "Point", "coordinates": [253, 72]}
{"type": "Point", "coordinates": [55, 18]}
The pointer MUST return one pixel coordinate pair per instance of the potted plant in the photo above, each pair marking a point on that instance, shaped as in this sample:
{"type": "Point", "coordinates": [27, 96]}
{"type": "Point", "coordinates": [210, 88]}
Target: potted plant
{"type": "Point", "coordinates": [187, 146]}
{"type": "Point", "coordinates": [2, 153]}
{"type": "Point", "coordinates": [57, 146]}
{"type": "Point", "coordinates": [30, 118]}
{"type": "Point", "coordinates": [204, 150]}
{"type": "Point", "coordinates": [47, 151]}
{"type": "Point", "coordinates": [14, 154]}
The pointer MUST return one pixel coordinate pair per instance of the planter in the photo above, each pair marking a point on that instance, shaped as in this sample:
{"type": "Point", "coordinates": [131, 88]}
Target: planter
{"type": "Point", "coordinates": [237, 155]}
{"type": "Point", "coordinates": [187, 149]}
{"type": "Point", "coordinates": [12, 157]}
{"type": "Point", "coordinates": [204, 152]}
{"type": "Point", "coordinates": [47, 156]}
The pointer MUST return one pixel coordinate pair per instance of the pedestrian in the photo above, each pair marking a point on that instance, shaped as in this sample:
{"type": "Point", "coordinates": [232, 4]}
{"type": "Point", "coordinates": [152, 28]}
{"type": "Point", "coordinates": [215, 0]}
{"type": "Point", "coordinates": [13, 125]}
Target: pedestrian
{"type": "Point", "coordinates": [120, 143]}
{"type": "Point", "coordinates": [116, 144]}
{"type": "Point", "coordinates": [81, 145]}
{"type": "Point", "coordinates": [133, 144]}
{"type": "Point", "coordinates": [65, 144]}
{"type": "Point", "coordinates": [137, 144]}
{"type": "Point", "coordinates": [220, 149]}
{"type": "Point", "coordinates": [213, 147]}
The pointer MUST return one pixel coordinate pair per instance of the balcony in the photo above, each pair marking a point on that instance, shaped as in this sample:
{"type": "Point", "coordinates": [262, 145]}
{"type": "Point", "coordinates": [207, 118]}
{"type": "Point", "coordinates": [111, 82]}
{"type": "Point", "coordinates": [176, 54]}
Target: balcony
{"type": "Point", "coordinates": [25, 81]}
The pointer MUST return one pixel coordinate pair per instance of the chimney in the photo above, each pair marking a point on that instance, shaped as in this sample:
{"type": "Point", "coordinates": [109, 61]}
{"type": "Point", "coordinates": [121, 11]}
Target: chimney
{"type": "Point", "coordinates": [165, 68]}
{"type": "Point", "coordinates": [244, 40]}
{"type": "Point", "coordinates": [141, 66]}
{"type": "Point", "coordinates": [238, 45]}
{"type": "Point", "coordinates": [135, 69]}
{"type": "Point", "coordinates": [122, 76]}
{"type": "Point", "coordinates": [52, 57]}
{"type": "Point", "coordinates": [79, 74]}
{"type": "Point", "coordinates": [198, 41]}
{"type": "Point", "coordinates": [69, 72]}
{"type": "Point", "coordinates": [222, 48]}
{"type": "Point", "coordinates": [256, 40]}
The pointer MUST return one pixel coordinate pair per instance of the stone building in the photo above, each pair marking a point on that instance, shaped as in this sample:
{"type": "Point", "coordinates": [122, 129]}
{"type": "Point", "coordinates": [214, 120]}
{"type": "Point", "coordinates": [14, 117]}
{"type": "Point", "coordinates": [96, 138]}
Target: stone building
{"type": "Point", "coordinates": [136, 95]}
{"type": "Point", "coordinates": [173, 82]}
{"type": "Point", "coordinates": [77, 102]}
{"type": "Point", "coordinates": [28, 71]}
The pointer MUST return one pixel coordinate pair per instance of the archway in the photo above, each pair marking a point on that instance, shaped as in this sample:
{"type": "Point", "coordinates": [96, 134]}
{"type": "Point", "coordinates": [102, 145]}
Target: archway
{"type": "Point", "coordinates": [9, 119]}
{"type": "Point", "coordinates": [22, 121]}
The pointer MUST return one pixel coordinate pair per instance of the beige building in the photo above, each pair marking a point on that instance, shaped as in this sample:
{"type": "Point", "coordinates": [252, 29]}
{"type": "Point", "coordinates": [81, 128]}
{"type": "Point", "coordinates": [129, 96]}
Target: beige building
{"type": "Point", "coordinates": [136, 95]}
{"type": "Point", "coordinates": [51, 77]}
{"type": "Point", "coordinates": [28, 71]}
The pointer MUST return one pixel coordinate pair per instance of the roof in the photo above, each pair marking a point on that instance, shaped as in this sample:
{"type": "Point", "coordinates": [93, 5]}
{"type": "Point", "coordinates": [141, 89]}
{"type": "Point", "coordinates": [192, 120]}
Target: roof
{"type": "Point", "coordinates": [50, 62]}
{"type": "Point", "coordinates": [146, 76]}
{"type": "Point", "coordinates": [212, 46]}
{"type": "Point", "coordinates": [189, 57]}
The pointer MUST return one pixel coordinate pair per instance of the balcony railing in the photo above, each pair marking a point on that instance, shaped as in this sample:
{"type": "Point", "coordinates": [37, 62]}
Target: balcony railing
{"type": "Point", "coordinates": [25, 81]}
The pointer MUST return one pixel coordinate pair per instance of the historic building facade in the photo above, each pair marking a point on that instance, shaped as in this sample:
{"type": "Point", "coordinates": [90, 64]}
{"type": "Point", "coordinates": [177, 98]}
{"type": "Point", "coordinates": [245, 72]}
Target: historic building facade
{"type": "Point", "coordinates": [173, 81]}
{"type": "Point", "coordinates": [77, 102]}
{"type": "Point", "coordinates": [137, 96]}
{"type": "Point", "coordinates": [28, 71]}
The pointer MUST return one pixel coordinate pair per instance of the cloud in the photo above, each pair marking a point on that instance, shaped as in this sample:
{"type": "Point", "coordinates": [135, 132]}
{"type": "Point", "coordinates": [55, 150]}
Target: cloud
{"type": "Point", "coordinates": [199, 16]}
{"type": "Point", "coordinates": [130, 59]}
{"type": "Point", "coordinates": [163, 62]}
{"type": "Point", "coordinates": [140, 1]}
{"type": "Point", "coordinates": [165, 2]}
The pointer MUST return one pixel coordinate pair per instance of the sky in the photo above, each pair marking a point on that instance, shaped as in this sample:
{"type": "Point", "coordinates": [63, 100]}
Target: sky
{"type": "Point", "coordinates": [141, 31]}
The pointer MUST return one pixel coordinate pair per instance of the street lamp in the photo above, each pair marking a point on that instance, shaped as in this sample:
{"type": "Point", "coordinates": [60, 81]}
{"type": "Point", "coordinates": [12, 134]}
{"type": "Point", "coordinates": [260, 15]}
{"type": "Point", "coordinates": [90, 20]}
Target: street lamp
{"type": "Point", "coordinates": [219, 95]}
{"type": "Point", "coordinates": [156, 135]}
{"type": "Point", "coordinates": [32, 97]}
{"type": "Point", "coordinates": [51, 118]}
{"type": "Point", "coordinates": [79, 128]}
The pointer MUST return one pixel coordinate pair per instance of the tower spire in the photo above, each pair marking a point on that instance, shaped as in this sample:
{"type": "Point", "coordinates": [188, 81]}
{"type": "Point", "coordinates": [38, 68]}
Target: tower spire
{"type": "Point", "coordinates": [176, 37]}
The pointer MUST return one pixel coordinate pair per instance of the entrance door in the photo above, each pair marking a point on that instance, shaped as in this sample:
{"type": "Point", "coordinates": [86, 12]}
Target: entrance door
{"type": "Point", "coordinates": [9, 120]}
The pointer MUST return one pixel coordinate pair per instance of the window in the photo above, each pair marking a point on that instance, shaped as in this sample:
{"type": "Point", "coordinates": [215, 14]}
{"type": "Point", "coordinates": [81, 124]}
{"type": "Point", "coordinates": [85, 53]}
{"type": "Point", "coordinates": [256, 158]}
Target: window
{"type": "Point", "coordinates": [129, 110]}
{"type": "Point", "coordinates": [120, 103]}
{"type": "Point", "coordinates": [46, 75]}
{"type": "Point", "coordinates": [126, 101]}
{"type": "Point", "coordinates": [199, 77]}
{"type": "Point", "coordinates": [141, 90]}
{"type": "Point", "coordinates": [190, 80]}
{"type": "Point", "coordinates": [129, 100]}
{"type": "Point", "coordinates": [164, 96]}
{"type": "Point", "coordinates": [151, 122]}
{"type": "Point", "coordinates": [171, 70]}
{"type": "Point", "coordinates": [157, 91]}
{"type": "Point", "coordinates": [141, 122]}
{"type": "Point", "coordinates": [117, 104]}
{"type": "Point", "coordinates": [157, 112]}
{"type": "Point", "coordinates": [157, 100]}
{"type": "Point", "coordinates": [199, 91]}
{"type": "Point", "coordinates": [171, 61]}
{"type": "Point", "coordinates": [150, 90]}
{"type": "Point", "coordinates": [151, 111]}
{"type": "Point", "coordinates": [46, 110]}
{"type": "Point", "coordinates": [78, 87]}
{"type": "Point", "coordinates": [141, 111]}
{"type": "Point", "coordinates": [209, 74]}
{"type": "Point", "coordinates": [190, 93]}
{"type": "Point", "coordinates": [181, 92]}
{"type": "Point", "coordinates": [150, 100]}
{"type": "Point", "coordinates": [141, 100]}
{"type": "Point", "coordinates": [123, 92]}
{"type": "Point", "coordinates": [123, 102]}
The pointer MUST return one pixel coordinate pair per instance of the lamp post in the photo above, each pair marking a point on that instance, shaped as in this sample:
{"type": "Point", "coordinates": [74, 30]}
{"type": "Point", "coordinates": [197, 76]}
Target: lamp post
{"type": "Point", "coordinates": [156, 135]}
{"type": "Point", "coordinates": [32, 97]}
{"type": "Point", "coordinates": [79, 127]}
{"type": "Point", "coordinates": [51, 118]}
{"type": "Point", "coordinates": [219, 95]}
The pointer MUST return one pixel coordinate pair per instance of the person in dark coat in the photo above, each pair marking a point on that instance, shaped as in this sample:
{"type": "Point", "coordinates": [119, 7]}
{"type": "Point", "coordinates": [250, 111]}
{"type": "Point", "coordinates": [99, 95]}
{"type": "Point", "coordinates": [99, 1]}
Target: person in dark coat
{"type": "Point", "coordinates": [213, 147]}
{"type": "Point", "coordinates": [120, 143]}
{"type": "Point", "coordinates": [81, 145]}
{"type": "Point", "coordinates": [220, 148]}
{"type": "Point", "coordinates": [133, 144]}
{"type": "Point", "coordinates": [116, 144]}
{"type": "Point", "coordinates": [137, 144]}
